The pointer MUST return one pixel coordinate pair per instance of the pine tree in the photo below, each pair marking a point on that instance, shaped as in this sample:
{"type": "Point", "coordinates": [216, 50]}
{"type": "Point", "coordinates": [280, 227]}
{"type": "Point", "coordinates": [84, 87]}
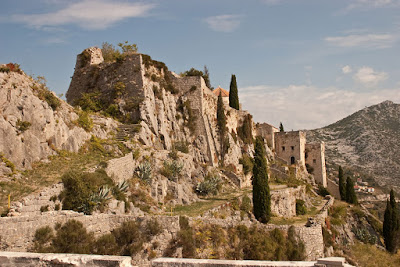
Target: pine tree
{"type": "Point", "coordinates": [281, 129]}
{"type": "Point", "coordinates": [233, 94]}
{"type": "Point", "coordinates": [261, 192]}
{"type": "Point", "coordinates": [350, 193]}
{"type": "Point", "coordinates": [342, 185]}
{"type": "Point", "coordinates": [221, 123]}
{"type": "Point", "coordinates": [391, 224]}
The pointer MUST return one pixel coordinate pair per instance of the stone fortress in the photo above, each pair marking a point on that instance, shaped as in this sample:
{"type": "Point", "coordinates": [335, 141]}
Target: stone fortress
{"type": "Point", "coordinates": [290, 147]}
{"type": "Point", "coordinates": [162, 126]}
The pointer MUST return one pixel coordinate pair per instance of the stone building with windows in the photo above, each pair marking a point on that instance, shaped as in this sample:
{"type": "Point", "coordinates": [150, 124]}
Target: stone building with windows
{"type": "Point", "coordinates": [292, 149]}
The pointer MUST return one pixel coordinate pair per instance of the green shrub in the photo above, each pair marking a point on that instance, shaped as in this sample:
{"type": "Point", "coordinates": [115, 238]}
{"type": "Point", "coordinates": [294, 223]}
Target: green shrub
{"type": "Point", "coordinates": [8, 163]}
{"type": "Point", "coordinates": [247, 163]}
{"type": "Point", "coordinates": [42, 240]}
{"type": "Point", "coordinates": [44, 208]}
{"type": "Point", "coordinates": [364, 235]}
{"type": "Point", "coordinates": [301, 209]}
{"type": "Point", "coordinates": [246, 204]}
{"type": "Point", "coordinates": [82, 191]}
{"type": "Point", "coordinates": [90, 102]}
{"type": "Point", "coordinates": [4, 69]}
{"type": "Point", "coordinates": [322, 191]}
{"type": "Point", "coordinates": [105, 245]}
{"type": "Point", "coordinates": [128, 238]}
{"type": "Point", "coordinates": [173, 154]}
{"type": "Point", "coordinates": [136, 154]}
{"type": "Point", "coordinates": [22, 126]}
{"type": "Point", "coordinates": [172, 169]}
{"type": "Point", "coordinates": [338, 214]}
{"type": "Point", "coordinates": [152, 228]}
{"type": "Point", "coordinates": [211, 185]}
{"type": "Point", "coordinates": [72, 237]}
{"type": "Point", "coordinates": [85, 121]}
{"type": "Point", "coordinates": [181, 146]}
{"type": "Point", "coordinates": [48, 96]}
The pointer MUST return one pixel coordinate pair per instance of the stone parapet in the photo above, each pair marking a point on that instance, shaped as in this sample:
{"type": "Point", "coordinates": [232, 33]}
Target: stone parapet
{"type": "Point", "coordinates": [24, 259]}
{"type": "Point", "coordinates": [169, 262]}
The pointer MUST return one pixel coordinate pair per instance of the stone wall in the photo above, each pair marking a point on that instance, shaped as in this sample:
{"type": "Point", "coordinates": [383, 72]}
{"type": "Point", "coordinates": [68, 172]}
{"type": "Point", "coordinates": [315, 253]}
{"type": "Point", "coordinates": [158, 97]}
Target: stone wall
{"type": "Point", "coordinates": [267, 131]}
{"type": "Point", "coordinates": [283, 201]}
{"type": "Point", "coordinates": [121, 169]}
{"type": "Point", "coordinates": [322, 262]}
{"type": "Point", "coordinates": [291, 146]}
{"type": "Point", "coordinates": [17, 233]}
{"type": "Point", "coordinates": [315, 157]}
{"type": "Point", "coordinates": [23, 259]}
{"type": "Point", "coordinates": [333, 188]}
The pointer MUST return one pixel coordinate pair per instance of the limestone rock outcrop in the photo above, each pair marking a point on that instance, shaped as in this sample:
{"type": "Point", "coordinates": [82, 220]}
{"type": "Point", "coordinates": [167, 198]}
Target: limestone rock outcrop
{"type": "Point", "coordinates": [31, 128]}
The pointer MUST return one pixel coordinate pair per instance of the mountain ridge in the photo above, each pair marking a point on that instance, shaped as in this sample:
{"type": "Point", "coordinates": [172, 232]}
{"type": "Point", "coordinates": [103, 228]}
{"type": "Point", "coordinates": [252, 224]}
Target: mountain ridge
{"type": "Point", "coordinates": [367, 140]}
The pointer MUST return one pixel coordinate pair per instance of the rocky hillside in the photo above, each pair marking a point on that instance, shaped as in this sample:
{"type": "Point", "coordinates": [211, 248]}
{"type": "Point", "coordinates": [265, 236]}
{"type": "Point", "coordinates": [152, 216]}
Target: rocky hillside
{"type": "Point", "coordinates": [368, 140]}
{"type": "Point", "coordinates": [34, 122]}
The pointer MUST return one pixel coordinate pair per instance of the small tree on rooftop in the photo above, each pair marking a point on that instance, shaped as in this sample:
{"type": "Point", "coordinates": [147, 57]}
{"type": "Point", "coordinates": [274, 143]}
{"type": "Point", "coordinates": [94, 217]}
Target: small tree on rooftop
{"type": "Point", "coordinates": [261, 191]}
{"type": "Point", "coordinates": [281, 129]}
{"type": "Point", "coordinates": [391, 224]}
{"type": "Point", "coordinates": [350, 193]}
{"type": "Point", "coordinates": [233, 94]}
{"type": "Point", "coordinates": [342, 184]}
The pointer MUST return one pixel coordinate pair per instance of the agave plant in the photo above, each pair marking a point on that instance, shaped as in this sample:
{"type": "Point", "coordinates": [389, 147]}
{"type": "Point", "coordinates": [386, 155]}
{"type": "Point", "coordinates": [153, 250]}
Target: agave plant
{"type": "Point", "coordinates": [101, 196]}
{"type": "Point", "coordinates": [122, 186]}
{"type": "Point", "coordinates": [144, 172]}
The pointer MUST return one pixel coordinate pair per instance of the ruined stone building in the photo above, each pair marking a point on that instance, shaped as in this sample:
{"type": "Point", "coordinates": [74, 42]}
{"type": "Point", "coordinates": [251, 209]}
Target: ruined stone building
{"type": "Point", "coordinates": [293, 149]}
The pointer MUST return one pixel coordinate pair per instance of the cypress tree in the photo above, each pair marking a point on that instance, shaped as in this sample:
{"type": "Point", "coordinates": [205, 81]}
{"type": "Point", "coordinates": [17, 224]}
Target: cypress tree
{"type": "Point", "coordinates": [342, 185]}
{"type": "Point", "coordinates": [281, 129]}
{"type": "Point", "coordinates": [221, 123]}
{"type": "Point", "coordinates": [350, 193]}
{"type": "Point", "coordinates": [391, 224]}
{"type": "Point", "coordinates": [261, 192]}
{"type": "Point", "coordinates": [233, 94]}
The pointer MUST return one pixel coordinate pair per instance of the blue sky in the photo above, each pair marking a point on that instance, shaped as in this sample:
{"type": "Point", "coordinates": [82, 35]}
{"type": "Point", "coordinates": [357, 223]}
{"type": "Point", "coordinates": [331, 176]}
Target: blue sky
{"type": "Point", "coordinates": [307, 63]}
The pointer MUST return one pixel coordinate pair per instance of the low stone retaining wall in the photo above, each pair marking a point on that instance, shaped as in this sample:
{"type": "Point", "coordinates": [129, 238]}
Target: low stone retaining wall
{"type": "Point", "coordinates": [23, 259]}
{"type": "Point", "coordinates": [171, 262]}
{"type": "Point", "coordinates": [17, 233]}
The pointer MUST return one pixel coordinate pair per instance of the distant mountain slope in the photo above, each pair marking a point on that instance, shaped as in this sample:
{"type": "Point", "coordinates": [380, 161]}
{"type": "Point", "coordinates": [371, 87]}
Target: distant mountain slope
{"type": "Point", "coordinates": [368, 139]}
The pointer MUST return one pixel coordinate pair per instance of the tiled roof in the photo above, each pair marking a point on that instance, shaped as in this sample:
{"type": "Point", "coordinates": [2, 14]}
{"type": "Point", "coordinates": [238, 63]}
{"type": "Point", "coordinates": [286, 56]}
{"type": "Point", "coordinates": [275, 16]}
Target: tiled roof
{"type": "Point", "coordinates": [221, 91]}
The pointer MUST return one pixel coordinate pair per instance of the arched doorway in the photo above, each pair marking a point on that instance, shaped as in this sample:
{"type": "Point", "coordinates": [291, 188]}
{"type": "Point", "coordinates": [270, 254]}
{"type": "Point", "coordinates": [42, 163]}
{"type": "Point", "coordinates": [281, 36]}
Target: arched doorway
{"type": "Point", "coordinates": [292, 160]}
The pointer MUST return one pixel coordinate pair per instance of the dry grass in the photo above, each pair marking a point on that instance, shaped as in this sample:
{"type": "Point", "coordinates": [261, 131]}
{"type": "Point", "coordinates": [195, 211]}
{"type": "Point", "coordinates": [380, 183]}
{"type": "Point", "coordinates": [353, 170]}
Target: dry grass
{"type": "Point", "coordinates": [198, 208]}
{"type": "Point", "coordinates": [47, 174]}
{"type": "Point", "coordinates": [371, 256]}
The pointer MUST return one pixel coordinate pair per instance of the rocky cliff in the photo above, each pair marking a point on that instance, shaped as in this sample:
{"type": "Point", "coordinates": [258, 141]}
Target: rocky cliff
{"type": "Point", "coordinates": [168, 109]}
{"type": "Point", "coordinates": [34, 122]}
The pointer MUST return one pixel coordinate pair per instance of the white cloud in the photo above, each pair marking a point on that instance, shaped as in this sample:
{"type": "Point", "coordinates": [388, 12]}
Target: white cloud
{"type": "Point", "coordinates": [89, 14]}
{"type": "Point", "coordinates": [377, 41]}
{"type": "Point", "coordinates": [308, 107]}
{"type": "Point", "coordinates": [367, 4]}
{"type": "Point", "coordinates": [368, 77]}
{"type": "Point", "coordinates": [347, 69]}
{"type": "Point", "coordinates": [224, 23]}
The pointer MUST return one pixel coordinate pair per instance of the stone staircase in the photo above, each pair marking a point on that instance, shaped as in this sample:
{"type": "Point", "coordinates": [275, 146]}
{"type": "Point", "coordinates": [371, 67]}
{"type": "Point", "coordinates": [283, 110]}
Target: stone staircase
{"type": "Point", "coordinates": [125, 131]}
